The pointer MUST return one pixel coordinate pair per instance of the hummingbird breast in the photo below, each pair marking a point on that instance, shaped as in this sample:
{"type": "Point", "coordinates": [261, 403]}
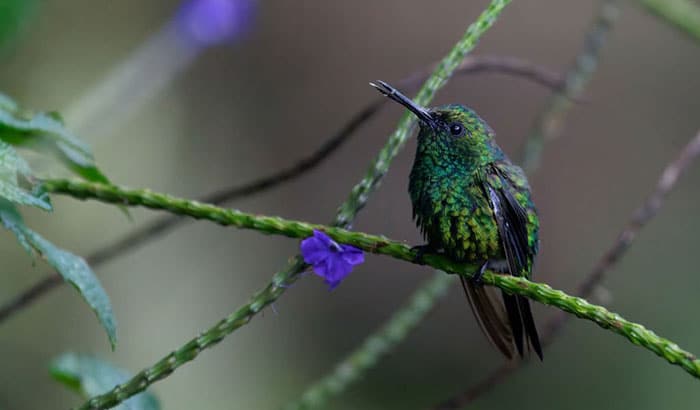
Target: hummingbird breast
{"type": "Point", "coordinates": [454, 213]}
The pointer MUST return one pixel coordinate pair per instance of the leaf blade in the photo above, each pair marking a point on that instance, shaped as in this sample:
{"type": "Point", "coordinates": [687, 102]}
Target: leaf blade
{"type": "Point", "coordinates": [77, 272]}
{"type": "Point", "coordinates": [91, 376]}
{"type": "Point", "coordinates": [72, 268]}
{"type": "Point", "coordinates": [45, 131]}
{"type": "Point", "coordinates": [12, 166]}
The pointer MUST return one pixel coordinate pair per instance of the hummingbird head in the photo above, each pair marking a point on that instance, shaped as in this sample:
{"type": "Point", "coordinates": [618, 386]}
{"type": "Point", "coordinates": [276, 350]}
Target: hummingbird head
{"type": "Point", "coordinates": [454, 130]}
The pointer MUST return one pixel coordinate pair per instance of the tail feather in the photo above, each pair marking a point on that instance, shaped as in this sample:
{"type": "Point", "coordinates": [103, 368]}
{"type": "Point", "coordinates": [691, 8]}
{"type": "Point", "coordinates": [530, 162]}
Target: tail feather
{"type": "Point", "coordinates": [515, 318]}
{"type": "Point", "coordinates": [490, 316]}
{"type": "Point", "coordinates": [508, 330]}
{"type": "Point", "coordinates": [529, 323]}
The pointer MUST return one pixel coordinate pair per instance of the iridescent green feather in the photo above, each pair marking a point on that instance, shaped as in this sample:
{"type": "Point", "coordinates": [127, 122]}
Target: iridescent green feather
{"type": "Point", "coordinates": [446, 187]}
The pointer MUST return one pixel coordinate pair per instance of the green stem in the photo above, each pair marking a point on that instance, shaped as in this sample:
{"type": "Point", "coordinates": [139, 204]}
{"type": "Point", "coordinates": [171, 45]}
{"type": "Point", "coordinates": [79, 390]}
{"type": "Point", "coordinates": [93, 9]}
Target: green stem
{"type": "Point", "coordinates": [549, 123]}
{"type": "Point", "coordinates": [684, 15]}
{"type": "Point", "coordinates": [272, 225]}
{"type": "Point", "coordinates": [376, 345]}
{"type": "Point", "coordinates": [381, 245]}
{"type": "Point", "coordinates": [443, 71]}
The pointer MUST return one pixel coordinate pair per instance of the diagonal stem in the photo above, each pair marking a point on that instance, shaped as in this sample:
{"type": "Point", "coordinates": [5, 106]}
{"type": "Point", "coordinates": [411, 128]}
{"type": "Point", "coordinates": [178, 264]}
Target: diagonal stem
{"type": "Point", "coordinates": [376, 345]}
{"type": "Point", "coordinates": [549, 123]}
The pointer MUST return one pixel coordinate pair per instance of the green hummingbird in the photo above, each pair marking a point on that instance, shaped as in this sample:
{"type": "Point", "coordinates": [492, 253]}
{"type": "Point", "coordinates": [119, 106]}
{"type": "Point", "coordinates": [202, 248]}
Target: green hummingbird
{"type": "Point", "coordinates": [474, 205]}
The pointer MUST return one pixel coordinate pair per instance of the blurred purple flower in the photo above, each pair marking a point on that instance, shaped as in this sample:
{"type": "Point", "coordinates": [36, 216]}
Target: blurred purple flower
{"type": "Point", "coordinates": [331, 261]}
{"type": "Point", "coordinates": [211, 22]}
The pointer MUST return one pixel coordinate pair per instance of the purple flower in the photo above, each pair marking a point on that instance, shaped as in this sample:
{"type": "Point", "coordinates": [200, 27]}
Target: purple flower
{"type": "Point", "coordinates": [210, 22]}
{"type": "Point", "coordinates": [331, 261]}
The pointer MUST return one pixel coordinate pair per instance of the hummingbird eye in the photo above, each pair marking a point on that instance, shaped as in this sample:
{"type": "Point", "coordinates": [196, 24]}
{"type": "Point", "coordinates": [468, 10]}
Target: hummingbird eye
{"type": "Point", "coordinates": [456, 129]}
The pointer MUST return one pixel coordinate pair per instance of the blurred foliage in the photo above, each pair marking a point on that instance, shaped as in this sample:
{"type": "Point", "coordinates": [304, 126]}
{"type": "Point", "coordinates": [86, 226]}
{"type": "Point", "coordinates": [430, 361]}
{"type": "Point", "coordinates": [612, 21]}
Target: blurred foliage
{"type": "Point", "coordinates": [14, 14]}
{"type": "Point", "coordinates": [91, 376]}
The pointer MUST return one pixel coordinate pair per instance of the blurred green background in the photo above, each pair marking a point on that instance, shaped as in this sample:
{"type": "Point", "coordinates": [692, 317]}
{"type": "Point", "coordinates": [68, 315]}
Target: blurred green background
{"type": "Point", "coordinates": [243, 110]}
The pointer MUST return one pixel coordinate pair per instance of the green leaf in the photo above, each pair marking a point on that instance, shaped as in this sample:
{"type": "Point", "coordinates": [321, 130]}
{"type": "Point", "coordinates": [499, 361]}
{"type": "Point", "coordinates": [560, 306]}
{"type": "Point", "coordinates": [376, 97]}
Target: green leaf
{"type": "Point", "coordinates": [12, 220]}
{"type": "Point", "coordinates": [91, 376]}
{"type": "Point", "coordinates": [12, 166]}
{"type": "Point", "coordinates": [73, 268]}
{"type": "Point", "coordinates": [45, 131]}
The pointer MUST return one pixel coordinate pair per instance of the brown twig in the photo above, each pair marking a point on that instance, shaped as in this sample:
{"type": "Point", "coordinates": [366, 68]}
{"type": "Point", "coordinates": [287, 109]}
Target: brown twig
{"type": "Point", "coordinates": [473, 64]}
{"type": "Point", "coordinates": [645, 213]}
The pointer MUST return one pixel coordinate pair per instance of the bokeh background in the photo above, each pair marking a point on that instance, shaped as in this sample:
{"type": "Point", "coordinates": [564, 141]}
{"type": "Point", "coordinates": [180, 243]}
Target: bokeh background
{"type": "Point", "coordinates": [244, 109]}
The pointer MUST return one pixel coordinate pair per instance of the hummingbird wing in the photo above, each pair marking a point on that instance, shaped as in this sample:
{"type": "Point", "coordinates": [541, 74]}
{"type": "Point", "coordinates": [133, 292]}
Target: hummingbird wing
{"type": "Point", "coordinates": [511, 218]}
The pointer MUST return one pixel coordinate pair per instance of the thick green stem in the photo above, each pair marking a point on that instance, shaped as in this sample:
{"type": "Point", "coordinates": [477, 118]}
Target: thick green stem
{"type": "Point", "coordinates": [231, 217]}
{"type": "Point", "coordinates": [684, 15]}
{"type": "Point", "coordinates": [542, 293]}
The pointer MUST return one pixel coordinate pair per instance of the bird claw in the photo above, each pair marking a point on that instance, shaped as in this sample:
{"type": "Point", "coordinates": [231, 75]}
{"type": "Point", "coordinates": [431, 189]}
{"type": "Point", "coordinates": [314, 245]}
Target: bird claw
{"type": "Point", "coordinates": [421, 250]}
{"type": "Point", "coordinates": [478, 278]}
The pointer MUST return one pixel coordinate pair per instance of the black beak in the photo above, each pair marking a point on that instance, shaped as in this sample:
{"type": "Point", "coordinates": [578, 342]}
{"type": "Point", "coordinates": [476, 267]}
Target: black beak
{"type": "Point", "coordinates": [424, 115]}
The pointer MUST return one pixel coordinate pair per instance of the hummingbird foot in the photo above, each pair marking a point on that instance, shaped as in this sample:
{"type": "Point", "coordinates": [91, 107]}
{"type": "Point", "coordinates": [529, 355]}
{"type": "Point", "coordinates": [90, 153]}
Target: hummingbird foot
{"type": "Point", "coordinates": [477, 279]}
{"type": "Point", "coordinates": [499, 266]}
{"type": "Point", "coordinates": [421, 250]}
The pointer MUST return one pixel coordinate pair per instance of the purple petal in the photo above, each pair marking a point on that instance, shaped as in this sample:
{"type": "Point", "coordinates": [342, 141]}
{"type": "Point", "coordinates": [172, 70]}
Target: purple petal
{"type": "Point", "coordinates": [336, 268]}
{"type": "Point", "coordinates": [326, 268]}
{"type": "Point", "coordinates": [352, 255]}
{"type": "Point", "coordinates": [313, 250]}
{"type": "Point", "coordinates": [325, 239]}
{"type": "Point", "coordinates": [333, 284]}
{"type": "Point", "coordinates": [333, 270]}
{"type": "Point", "coordinates": [321, 268]}
{"type": "Point", "coordinates": [210, 22]}
{"type": "Point", "coordinates": [330, 261]}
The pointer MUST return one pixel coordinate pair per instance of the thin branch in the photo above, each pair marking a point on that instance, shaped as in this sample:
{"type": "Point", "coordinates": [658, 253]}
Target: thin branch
{"type": "Point", "coordinates": [380, 245]}
{"type": "Point", "coordinates": [357, 198]}
{"type": "Point", "coordinates": [645, 213]}
{"type": "Point", "coordinates": [144, 234]}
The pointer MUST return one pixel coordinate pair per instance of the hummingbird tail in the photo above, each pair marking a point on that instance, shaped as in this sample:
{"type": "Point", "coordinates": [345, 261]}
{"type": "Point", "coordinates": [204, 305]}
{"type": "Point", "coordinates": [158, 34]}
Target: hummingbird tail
{"type": "Point", "coordinates": [490, 316]}
{"type": "Point", "coordinates": [520, 318]}
{"type": "Point", "coordinates": [529, 323]}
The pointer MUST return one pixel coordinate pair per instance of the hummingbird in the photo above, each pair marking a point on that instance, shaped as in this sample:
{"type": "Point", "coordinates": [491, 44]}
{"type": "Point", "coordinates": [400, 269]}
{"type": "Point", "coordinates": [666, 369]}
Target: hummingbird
{"type": "Point", "coordinates": [472, 204]}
